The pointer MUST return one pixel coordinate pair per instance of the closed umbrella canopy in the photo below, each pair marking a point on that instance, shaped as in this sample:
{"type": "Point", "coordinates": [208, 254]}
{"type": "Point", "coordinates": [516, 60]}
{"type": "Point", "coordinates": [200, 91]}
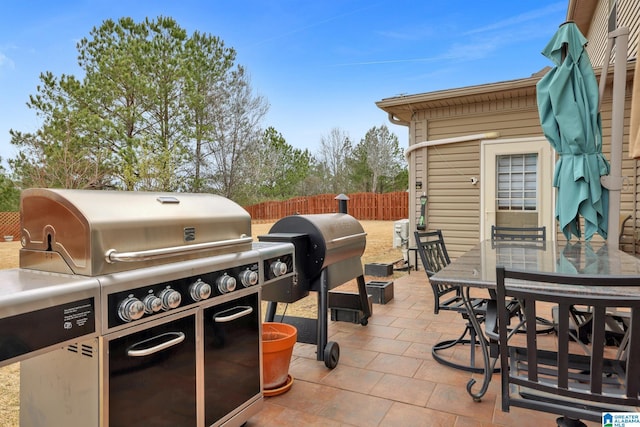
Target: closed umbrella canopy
{"type": "Point", "coordinates": [568, 107]}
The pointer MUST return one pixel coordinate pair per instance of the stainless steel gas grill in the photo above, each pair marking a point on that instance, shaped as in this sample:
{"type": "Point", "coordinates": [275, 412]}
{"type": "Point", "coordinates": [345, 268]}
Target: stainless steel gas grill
{"type": "Point", "coordinates": [328, 248]}
{"type": "Point", "coordinates": [156, 316]}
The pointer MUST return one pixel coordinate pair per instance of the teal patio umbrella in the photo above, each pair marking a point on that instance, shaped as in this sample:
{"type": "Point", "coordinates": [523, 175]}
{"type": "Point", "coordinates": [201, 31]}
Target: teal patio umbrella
{"type": "Point", "coordinates": [568, 107]}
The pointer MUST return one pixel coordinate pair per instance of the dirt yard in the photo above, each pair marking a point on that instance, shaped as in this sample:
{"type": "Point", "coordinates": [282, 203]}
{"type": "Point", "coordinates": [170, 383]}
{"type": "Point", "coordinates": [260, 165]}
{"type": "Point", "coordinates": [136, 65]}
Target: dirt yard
{"type": "Point", "coordinates": [378, 250]}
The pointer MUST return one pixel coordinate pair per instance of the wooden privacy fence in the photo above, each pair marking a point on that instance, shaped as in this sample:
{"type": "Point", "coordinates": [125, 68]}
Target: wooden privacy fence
{"type": "Point", "coordinates": [10, 224]}
{"type": "Point", "coordinates": [362, 206]}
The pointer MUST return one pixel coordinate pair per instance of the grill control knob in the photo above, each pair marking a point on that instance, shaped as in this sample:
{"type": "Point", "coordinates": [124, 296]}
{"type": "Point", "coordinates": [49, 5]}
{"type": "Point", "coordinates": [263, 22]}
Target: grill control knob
{"type": "Point", "coordinates": [170, 298]}
{"type": "Point", "coordinates": [152, 304]}
{"type": "Point", "coordinates": [130, 309]}
{"type": "Point", "coordinates": [200, 290]}
{"type": "Point", "coordinates": [278, 268]}
{"type": "Point", "coordinates": [248, 278]}
{"type": "Point", "coordinates": [226, 284]}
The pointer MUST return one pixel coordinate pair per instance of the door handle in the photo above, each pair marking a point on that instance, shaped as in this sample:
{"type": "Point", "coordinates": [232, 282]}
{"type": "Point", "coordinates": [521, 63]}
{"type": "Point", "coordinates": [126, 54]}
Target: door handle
{"type": "Point", "coordinates": [221, 318]}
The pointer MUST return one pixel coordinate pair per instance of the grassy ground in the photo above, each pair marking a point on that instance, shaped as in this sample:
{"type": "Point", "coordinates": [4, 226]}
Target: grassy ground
{"type": "Point", "coordinates": [379, 249]}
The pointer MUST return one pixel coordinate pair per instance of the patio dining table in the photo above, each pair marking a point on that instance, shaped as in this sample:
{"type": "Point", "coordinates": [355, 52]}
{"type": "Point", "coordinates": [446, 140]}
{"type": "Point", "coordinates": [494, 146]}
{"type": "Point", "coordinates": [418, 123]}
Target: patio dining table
{"type": "Point", "coordinates": [477, 269]}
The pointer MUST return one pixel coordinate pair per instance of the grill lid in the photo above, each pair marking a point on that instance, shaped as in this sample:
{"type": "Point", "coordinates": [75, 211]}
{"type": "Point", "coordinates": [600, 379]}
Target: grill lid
{"type": "Point", "coordinates": [90, 232]}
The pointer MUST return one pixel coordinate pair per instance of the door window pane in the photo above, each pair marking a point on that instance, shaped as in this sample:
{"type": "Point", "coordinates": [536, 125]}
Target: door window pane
{"type": "Point", "coordinates": [517, 182]}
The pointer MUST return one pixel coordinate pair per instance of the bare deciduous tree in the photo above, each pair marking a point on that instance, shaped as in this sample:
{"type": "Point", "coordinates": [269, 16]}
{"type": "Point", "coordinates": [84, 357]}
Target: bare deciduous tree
{"type": "Point", "coordinates": [335, 150]}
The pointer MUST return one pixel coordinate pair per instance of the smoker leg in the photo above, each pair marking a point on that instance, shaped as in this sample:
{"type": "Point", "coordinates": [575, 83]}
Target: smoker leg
{"type": "Point", "coordinates": [271, 311]}
{"type": "Point", "coordinates": [323, 308]}
{"type": "Point", "coordinates": [364, 301]}
{"type": "Point", "coordinates": [329, 352]}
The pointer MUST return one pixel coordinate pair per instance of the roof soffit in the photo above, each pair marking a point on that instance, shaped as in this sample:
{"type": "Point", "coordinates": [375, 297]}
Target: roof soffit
{"type": "Point", "coordinates": [581, 12]}
{"type": "Point", "coordinates": [403, 107]}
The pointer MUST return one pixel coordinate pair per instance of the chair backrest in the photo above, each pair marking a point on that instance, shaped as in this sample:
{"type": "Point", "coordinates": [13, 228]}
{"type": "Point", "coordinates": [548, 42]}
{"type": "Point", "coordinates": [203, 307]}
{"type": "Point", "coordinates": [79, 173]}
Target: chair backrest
{"type": "Point", "coordinates": [559, 376]}
{"type": "Point", "coordinates": [518, 233]}
{"type": "Point", "coordinates": [432, 250]}
{"type": "Point", "coordinates": [434, 257]}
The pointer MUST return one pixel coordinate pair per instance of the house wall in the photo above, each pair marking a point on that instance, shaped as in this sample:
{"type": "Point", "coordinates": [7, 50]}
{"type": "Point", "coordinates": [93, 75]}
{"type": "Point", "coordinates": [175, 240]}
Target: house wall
{"type": "Point", "coordinates": [445, 170]}
{"type": "Point", "coordinates": [454, 204]}
{"type": "Point", "coordinates": [628, 15]}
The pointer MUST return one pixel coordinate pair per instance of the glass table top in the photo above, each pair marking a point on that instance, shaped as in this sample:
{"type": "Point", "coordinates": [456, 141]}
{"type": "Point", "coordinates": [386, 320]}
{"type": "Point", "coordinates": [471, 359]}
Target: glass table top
{"type": "Point", "coordinates": [477, 268]}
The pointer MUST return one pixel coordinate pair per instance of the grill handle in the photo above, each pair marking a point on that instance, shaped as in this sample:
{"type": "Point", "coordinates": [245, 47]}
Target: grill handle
{"type": "Point", "coordinates": [112, 255]}
{"type": "Point", "coordinates": [179, 337]}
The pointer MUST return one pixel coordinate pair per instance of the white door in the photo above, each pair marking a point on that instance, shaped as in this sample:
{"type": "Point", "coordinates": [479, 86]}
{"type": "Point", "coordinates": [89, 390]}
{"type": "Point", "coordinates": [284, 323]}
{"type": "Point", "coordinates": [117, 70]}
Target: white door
{"type": "Point", "coordinates": [517, 185]}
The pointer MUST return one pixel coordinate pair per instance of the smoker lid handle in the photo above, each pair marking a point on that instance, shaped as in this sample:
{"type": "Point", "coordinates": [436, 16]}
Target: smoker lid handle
{"type": "Point", "coordinates": [112, 255]}
{"type": "Point", "coordinates": [349, 237]}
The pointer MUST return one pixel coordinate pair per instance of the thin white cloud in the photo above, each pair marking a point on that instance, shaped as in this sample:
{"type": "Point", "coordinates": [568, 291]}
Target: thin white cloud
{"type": "Point", "coordinates": [472, 51]}
{"type": "Point", "coordinates": [311, 25]}
{"type": "Point", "coordinates": [480, 42]}
{"type": "Point", "coordinates": [458, 52]}
{"type": "Point", "coordinates": [520, 19]}
{"type": "Point", "coordinates": [411, 34]}
{"type": "Point", "coordinates": [390, 61]}
{"type": "Point", "coordinates": [6, 62]}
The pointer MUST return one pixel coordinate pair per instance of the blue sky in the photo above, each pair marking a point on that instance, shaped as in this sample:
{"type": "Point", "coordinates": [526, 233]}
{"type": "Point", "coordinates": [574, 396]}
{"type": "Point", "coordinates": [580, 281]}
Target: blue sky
{"type": "Point", "coordinates": [319, 64]}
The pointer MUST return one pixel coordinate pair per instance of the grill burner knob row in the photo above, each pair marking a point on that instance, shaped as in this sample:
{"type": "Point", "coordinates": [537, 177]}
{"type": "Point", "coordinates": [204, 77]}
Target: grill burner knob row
{"type": "Point", "coordinates": [200, 290]}
{"type": "Point", "coordinates": [170, 298]}
{"type": "Point", "coordinates": [248, 278]}
{"type": "Point", "coordinates": [226, 284]}
{"type": "Point", "coordinates": [152, 304]}
{"type": "Point", "coordinates": [278, 268]}
{"type": "Point", "coordinates": [131, 309]}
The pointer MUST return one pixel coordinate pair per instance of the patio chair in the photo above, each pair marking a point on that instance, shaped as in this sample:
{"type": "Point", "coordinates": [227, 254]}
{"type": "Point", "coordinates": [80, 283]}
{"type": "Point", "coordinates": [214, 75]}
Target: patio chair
{"type": "Point", "coordinates": [526, 235]}
{"type": "Point", "coordinates": [560, 377]}
{"type": "Point", "coordinates": [518, 233]}
{"type": "Point", "coordinates": [622, 238]}
{"type": "Point", "coordinates": [433, 254]}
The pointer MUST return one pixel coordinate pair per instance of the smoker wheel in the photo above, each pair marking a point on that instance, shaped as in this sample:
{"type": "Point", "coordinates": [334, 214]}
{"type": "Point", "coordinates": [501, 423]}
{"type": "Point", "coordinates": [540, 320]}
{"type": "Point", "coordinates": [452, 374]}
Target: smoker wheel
{"type": "Point", "coordinates": [331, 354]}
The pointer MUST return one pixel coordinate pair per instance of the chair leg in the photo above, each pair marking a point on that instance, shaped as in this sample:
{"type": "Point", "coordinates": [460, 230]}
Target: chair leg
{"type": "Point", "coordinates": [442, 345]}
{"type": "Point", "coordinates": [473, 341]}
{"type": "Point", "coordinates": [547, 326]}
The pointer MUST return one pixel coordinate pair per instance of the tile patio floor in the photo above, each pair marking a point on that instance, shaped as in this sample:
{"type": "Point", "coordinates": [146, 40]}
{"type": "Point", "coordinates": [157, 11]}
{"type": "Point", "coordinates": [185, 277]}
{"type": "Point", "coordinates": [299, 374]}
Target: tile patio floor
{"type": "Point", "coordinates": [387, 377]}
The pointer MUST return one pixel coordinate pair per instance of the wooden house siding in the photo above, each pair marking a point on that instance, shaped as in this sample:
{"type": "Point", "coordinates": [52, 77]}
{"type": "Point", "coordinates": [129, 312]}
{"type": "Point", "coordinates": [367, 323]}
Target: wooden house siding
{"type": "Point", "coordinates": [454, 204]}
{"type": "Point", "coordinates": [508, 123]}
{"type": "Point", "coordinates": [631, 187]}
{"type": "Point", "coordinates": [598, 34]}
{"type": "Point", "coordinates": [629, 16]}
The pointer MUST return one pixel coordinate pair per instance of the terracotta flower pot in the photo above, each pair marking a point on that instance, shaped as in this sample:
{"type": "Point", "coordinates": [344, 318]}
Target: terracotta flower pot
{"type": "Point", "coordinates": [278, 340]}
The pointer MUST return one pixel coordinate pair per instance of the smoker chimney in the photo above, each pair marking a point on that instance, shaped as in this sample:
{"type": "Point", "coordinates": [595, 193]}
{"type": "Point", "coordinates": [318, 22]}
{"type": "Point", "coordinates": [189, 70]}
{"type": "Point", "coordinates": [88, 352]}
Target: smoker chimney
{"type": "Point", "coordinates": [342, 203]}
